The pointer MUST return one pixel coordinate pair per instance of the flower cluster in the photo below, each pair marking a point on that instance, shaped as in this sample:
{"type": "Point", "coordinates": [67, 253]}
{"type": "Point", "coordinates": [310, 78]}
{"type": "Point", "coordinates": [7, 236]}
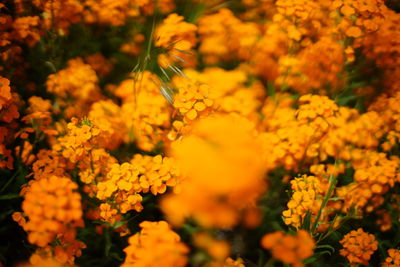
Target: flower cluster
{"type": "Point", "coordinates": [121, 187]}
{"type": "Point", "coordinates": [393, 259]}
{"type": "Point", "coordinates": [174, 31]}
{"type": "Point", "coordinates": [8, 112]}
{"type": "Point", "coordinates": [156, 173]}
{"type": "Point", "coordinates": [224, 36]}
{"type": "Point", "coordinates": [177, 37]}
{"type": "Point", "coordinates": [81, 138]}
{"type": "Point", "coordinates": [269, 123]}
{"type": "Point", "coordinates": [307, 196]}
{"type": "Point", "coordinates": [122, 180]}
{"type": "Point", "coordinates": [60, 14]}
{"type": "Point", "coordinates": [79, 82]}
{"type": "Point", "coordinates": [291, 249]}
{"type": "Point", "coordinates": [145, 111]}
{"type": "Point", "coordinates": [52, 210]}
{"type": "Point", "coordinates": [42, 258]}
{"type": "Point", "coordinates": [192, 101]}
{"type": "Point", "coordinates": [217, 249]}
{"type": "Point", "coordinates": [108, 12]}
{"type": "Point", "coordinates": [360, 18]}
{"type": "Point", "coordinates": [374, 176]}
{"type": "Point", "coordinates": [310, 69]}
{"type": "Point", "coordinates": [155, 244]}
{"type": "Point", "coordinates": [358, 246]}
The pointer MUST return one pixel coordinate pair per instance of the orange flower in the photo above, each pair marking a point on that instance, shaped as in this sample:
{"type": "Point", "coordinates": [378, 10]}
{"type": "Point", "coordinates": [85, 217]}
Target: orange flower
{"type": "Point", "coordinates": [82, 137]}
{"type": "Point", "coordinates": [223, 175]}
{"type": "Point", "coordinates": [374, 175]}
{"type": "Point", "coordinates": [384, 220]}
{"type": "Point", "coordinates": [42, 258]}
{"type": "Point", "coordinates": [123, 183]}
{"type": "Point", "coordinates": [114, 13]}
{"type": "Point", "coordinates": [217, 249]}
{"type": "Point", "coordinates": [61, 13]}
{"type": "Point", "coordinates": [53, 211]}
{"type": "Point", "coordinates": [347, 10]}
{"type": "Point", "coordinates": [177, 37]}
{"type": "Point", "coordinates": [308, 192]}
{"type": "Point", "coordinates": [393, 259]}
{"type": "Point", "coordinates": [49, 163]}
{"type": "Point", "coordinates": [354, 32]}
{"type": "Point", "coordinates": [25, 29]}
{"type": "Point", "coordinates": [145, 111]}
{"type": "Point", "coordinates": [314, 67]}
{"type": "Point", "coordinates": [225, 37]}
{"type": "Point", "coordinates": [5, 93]}
{"type": "Point", "coordinates": [291, 249]}
{"type": "Point", "coordinates": [77, 81]}
{"type": "Point", "coordinates": [155, 245]}
{"type": "Point", "coordinates": [156, 173]}
{"type": "Point", "coordinates": [229, 262]}
{"type": "Point", "coordinates": [193, 101]}
{"type": "Point", "coordinates": [99, 63]}
{"type": "Point", "coordinates": [358, 247]}
{"type": "Point", "coordinates": [173, 32]}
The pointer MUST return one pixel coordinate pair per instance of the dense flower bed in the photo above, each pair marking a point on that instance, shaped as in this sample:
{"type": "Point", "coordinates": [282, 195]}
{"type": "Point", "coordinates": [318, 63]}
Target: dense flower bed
{"type": "Point", "coordinates": [199, 133]}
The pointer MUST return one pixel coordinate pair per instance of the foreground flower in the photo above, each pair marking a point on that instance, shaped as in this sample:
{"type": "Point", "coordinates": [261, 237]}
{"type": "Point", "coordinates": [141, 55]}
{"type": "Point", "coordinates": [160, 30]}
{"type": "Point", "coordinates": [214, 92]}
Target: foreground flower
{"type": "Point", "coordinates": [155, 245]}
{"type": "Point", "coordinates": [224, 175]}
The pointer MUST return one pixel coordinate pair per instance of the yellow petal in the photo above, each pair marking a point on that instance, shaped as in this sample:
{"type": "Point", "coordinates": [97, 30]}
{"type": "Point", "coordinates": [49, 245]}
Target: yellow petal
{"type": "Point", "coordinates": [191, 115]}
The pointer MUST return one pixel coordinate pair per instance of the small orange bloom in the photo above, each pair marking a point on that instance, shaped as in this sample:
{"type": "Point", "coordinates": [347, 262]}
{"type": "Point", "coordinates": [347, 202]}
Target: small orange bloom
{"type": "Point", "coordinates": [354, 32]}
{"type": "Point", "coordinates": [291, 249]}
{"type": "Point", "coordinates": [394, 258]}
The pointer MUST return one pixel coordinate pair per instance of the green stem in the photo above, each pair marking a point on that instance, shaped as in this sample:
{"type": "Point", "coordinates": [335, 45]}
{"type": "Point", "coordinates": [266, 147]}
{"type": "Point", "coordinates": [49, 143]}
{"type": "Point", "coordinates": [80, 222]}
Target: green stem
{"type": "Point", "coordinates": [329, 231]}
{"type": "Point", "coordinates": [10, 180]}
{"type": "Point", "coordinates": [270, 262]}
{"type": "Point", "coordinates": [150, 41]}
{"type": "Point", "coordinates": [332, 185]}
{"type": "Point", "coordinates": [333, 229]}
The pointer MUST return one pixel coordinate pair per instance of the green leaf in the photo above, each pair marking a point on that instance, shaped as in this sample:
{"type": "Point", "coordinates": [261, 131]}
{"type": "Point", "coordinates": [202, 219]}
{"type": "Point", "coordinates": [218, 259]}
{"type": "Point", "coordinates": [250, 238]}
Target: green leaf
{"type": "Point", "coordinates": [316, 256]}
{"type": "Point", "coordinates": [261, 257]}
{"type": "Point", "coordinates": [306, 222]}
{"type": "Point", "coordinates": [271, 89]}
{"type": "Point", "coordinates": [51, 66]}
{"type": "Point", "coordinates": [108, 244]}
{"type": "Point", "coordinates": [310, 260]}
{"type": "Point", "coordinates": [346, 99]}
{"type": "Point", "coordinates": [116, 256]}
{"type": "Point", "coordinates": [9, 196]}
{"type": "Point", "coordinates": [326, 246]}
{"type": "Point", "coordinates": [118, 224]}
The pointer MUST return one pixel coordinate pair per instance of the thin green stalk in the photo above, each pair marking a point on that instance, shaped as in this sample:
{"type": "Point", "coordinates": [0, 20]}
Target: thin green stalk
{"type": "Point", "coordinates": [270, 262]}
{"type": "Point", "coordinates": [151, 38]}
{"type": "Point", "coordinates": [10, 180]}
{"type": "Point", "coordinates": [333, 229]}
{"type": "Point", "coordinates": [330, 229]}
{"type": "Point", "coordinates": [332, 185]}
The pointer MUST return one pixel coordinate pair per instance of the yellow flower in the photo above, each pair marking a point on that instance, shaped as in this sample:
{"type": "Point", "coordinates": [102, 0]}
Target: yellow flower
{"type": "Point", "coordinates": [222, 170]}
